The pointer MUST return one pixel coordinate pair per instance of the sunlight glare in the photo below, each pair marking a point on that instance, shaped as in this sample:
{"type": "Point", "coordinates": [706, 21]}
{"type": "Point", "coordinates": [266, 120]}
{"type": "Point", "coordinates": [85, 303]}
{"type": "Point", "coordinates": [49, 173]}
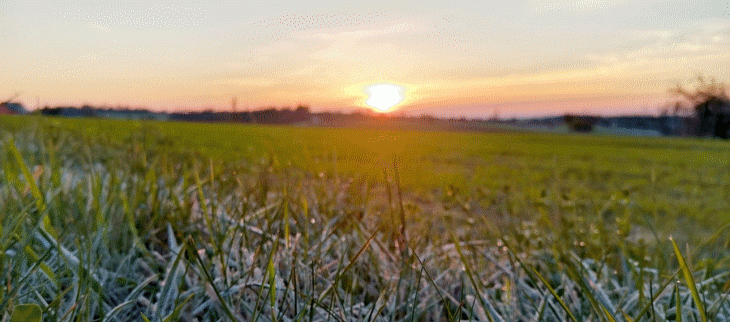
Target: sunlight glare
{"type": "Point", "coordinates": [382, 97]}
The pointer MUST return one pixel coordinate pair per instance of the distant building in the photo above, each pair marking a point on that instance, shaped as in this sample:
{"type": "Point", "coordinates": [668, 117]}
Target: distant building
{"type": "Point", "coordinates": [10, 108]}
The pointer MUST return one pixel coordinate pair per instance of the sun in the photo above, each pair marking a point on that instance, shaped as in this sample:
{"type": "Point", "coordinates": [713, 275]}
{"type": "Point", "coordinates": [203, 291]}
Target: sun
{"type": "Point", "coordinates": [383, 97]}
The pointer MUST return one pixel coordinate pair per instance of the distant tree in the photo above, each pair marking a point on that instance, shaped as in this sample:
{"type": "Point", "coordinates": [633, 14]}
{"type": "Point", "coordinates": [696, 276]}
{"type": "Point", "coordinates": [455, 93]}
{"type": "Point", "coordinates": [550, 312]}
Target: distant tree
{"type": "Point", "coordinates": [583, 124]}
{"type": "Point", "coordinates": [428, 117]}
{"type": "Point", "coordinates": [495, 116]}
{"type": "Point", "coordinates": [302, 108]}
{"type": "Point", "coordinates": [710, 106]}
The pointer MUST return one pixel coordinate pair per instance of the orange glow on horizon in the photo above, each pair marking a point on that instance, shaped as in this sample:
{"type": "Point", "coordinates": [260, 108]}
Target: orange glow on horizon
{"type": "Point", "coordinates": [381, 97]}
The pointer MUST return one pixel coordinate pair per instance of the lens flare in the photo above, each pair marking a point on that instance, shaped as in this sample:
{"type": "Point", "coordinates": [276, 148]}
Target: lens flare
{"type": "Point", "coordinates": [383, 97]}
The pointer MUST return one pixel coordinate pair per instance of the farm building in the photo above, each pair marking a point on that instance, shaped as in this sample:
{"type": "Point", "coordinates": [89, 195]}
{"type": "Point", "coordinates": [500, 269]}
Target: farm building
{"type": "Point", "coordinates": [9, 108]}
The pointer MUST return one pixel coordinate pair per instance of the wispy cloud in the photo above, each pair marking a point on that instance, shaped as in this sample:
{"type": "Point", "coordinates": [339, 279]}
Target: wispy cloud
{"type": "Point", "coordinates": [657, 46]}
{"type": "Point", "coordinates": [567, 5]}
{"type": "Point", "coordinates": [360, 34]}
{"type": "Point", "coordinates": [643, 62]}
{"type": "Point", "coordinates": [249, 82]}
{"type": "Point", "coordinates": [107, 16]}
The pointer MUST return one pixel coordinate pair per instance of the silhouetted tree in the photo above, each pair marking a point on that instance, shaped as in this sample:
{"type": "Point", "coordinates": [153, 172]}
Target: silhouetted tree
{"type": "Point", "coordinates": [302, 108]}
{"type": "Point", "coordinates": [711, 108]}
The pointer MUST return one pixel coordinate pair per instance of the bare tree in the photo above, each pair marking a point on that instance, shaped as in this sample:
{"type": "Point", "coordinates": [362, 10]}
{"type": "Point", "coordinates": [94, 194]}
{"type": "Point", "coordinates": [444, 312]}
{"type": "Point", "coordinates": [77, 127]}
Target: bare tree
{"type": "Point", "coordinates": [710, 105]}
{"type": "Point", "coordinates": [14, 96]}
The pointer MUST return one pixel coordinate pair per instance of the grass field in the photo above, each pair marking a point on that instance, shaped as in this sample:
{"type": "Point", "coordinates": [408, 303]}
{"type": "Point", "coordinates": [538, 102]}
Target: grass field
{"type": "Point", "coordinates": [122, 220]}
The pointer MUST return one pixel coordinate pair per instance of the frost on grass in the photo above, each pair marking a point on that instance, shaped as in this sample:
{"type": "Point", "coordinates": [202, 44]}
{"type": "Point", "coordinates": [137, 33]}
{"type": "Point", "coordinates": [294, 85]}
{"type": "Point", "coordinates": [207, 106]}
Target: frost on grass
{"type": "Point", "coordinates": [125, 233]}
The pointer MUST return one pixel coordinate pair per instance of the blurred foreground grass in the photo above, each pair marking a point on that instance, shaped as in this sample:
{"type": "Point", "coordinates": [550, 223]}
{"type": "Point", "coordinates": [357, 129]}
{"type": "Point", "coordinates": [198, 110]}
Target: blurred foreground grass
{"type": "Point", "coordinates": [122, 220]}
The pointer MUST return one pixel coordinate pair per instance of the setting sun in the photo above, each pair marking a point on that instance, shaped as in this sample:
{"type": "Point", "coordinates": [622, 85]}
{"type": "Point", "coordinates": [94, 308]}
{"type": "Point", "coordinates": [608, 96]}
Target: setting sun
{"type": "Point", "coordinates": [382, 97]}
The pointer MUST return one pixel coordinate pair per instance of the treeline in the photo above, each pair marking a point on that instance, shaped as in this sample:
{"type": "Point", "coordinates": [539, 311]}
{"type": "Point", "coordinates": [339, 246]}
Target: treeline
{"type": "Point", "coordinates": [703, 111]}
{"type": "Point", "coordinates": [298, 115]}
{"type": "Point", "coordinates": [265, 116]}
{"type": "Point", "coordinates": [663, 124]}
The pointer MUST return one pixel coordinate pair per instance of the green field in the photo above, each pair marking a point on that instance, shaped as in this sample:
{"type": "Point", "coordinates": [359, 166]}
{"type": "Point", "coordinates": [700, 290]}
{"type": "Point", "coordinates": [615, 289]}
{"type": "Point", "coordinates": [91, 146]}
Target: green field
{"type": "Point", "coordinates": [124, 220]}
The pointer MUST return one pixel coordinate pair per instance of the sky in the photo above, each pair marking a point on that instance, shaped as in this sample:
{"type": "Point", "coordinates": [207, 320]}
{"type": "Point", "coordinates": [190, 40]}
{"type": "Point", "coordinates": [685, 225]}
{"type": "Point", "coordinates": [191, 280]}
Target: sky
{"type": "Point", "coordinates": [450, 58]}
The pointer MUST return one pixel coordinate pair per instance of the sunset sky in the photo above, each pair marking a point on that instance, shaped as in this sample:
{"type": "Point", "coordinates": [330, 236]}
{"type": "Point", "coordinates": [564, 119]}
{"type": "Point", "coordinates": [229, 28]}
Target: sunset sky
{"type": "Point", "coordinates": [463, 58]}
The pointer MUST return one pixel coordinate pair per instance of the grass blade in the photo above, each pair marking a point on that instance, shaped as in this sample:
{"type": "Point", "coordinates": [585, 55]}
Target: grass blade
{"type": "Point", "coordinates": [169, 291]}
{"type": "Point", "coordinates": [679, 304]}
{"type": "Point", "coordinates": [554, 293]}
{"type": "Point", "coordinates": [210, 280]}
{"type": "Point", "coordinates": [608, 315]}
{"type": "Point", "coordinates": [111, 314]}
{"type": "Point", "coordinates": [26, 313]}
{"type": "Point", "coordinates": [648, 305]}
{"type": "Point", "coordinates": [348, 267]}
{"type": "Point", "coordinates": [470, 274]}
{"type": "Point", "coordinates": [587, 292]}
{"type": "Point", "coordinates": [690, 281]}
{"type": "Point", "coordinates": [26, 173]}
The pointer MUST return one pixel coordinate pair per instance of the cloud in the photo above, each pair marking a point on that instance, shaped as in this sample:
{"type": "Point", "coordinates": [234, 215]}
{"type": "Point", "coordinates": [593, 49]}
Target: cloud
{"type": "Point", "coordinates": [642, 62]}
{"type": "Point", "coordinates": [105, 17]}
{"type": "Point", "coordinates": [359, 34]}
{"type": "Point", "coordinates": [581, 5]}
{"type": "Point", "coordinates": [657, 46]}
{"type": "Point", "coordinates": [249, 82]}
